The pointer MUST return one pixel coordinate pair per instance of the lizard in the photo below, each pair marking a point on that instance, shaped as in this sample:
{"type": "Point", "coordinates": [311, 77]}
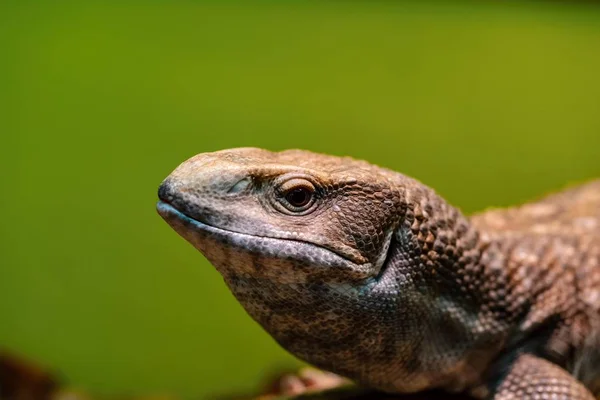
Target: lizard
{"type": "Point", "coordinates": [370, 274]}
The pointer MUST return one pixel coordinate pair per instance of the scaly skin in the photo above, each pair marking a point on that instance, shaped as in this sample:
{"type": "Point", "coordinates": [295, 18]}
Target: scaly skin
{"type": "Point", "coordinates": [380, 280]}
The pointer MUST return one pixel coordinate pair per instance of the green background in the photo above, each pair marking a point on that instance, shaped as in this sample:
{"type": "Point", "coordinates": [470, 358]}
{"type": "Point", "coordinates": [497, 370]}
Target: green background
{"type": "Point", "coordinates": [491, 104]}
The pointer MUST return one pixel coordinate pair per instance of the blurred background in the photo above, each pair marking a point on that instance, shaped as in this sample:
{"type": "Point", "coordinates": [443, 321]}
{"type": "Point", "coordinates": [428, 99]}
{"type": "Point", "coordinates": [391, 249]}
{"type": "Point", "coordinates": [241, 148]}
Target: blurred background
{"type": "Point", "coordinates": [490, 103]}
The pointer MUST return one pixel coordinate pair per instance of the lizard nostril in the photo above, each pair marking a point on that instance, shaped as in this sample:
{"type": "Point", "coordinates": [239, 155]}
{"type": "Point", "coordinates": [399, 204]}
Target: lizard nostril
{"type": "Point", "coordinates": [165, 191]}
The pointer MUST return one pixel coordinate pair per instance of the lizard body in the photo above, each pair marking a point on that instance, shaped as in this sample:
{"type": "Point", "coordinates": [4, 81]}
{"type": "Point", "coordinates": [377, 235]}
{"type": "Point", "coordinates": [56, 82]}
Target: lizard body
{"type": "Point", "coordinates": [368, 273]}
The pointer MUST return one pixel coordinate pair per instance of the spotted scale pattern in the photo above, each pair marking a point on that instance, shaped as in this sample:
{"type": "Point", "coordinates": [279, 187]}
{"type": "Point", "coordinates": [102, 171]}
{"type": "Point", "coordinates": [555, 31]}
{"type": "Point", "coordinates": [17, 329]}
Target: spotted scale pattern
{"type": "Point", "coordinates": [381, 280]}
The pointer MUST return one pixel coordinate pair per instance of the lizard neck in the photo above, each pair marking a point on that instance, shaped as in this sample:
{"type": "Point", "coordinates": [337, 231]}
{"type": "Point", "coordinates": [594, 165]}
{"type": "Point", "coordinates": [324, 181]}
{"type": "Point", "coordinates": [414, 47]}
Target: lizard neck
{"type": "Point", "coordinates": [454, 286]}
{"type": "Point", "coordinates": [501, 291]}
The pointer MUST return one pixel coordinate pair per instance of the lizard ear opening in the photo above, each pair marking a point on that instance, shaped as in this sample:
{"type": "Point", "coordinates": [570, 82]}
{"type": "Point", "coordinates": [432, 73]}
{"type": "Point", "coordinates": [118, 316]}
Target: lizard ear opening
{"type": "Point", "coordinates": [389, 247]}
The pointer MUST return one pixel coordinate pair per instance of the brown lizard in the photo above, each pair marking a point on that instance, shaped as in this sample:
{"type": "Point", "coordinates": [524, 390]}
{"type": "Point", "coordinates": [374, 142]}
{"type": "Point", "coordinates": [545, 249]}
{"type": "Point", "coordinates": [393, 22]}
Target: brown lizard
{"type": "Point", "coordinates": [370, 274]}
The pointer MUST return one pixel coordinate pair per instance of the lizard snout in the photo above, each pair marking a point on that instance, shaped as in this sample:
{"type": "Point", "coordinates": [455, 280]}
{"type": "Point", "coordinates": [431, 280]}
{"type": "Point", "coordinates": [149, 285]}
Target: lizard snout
{"type": "Point", "coordinates": [165, 191]}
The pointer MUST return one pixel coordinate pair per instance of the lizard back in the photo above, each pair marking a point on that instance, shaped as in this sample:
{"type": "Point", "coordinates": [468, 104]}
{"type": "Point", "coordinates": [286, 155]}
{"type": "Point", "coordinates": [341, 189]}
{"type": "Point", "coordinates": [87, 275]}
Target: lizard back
{"type": "Point", "coordinates": [552, 250]}
{"type": "Point", "coordinates": [575, 210]}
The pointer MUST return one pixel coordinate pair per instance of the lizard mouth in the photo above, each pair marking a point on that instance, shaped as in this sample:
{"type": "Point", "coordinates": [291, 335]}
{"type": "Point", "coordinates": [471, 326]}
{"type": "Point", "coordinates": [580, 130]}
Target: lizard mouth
{"type": "Point", "coordinates": [198, 233]}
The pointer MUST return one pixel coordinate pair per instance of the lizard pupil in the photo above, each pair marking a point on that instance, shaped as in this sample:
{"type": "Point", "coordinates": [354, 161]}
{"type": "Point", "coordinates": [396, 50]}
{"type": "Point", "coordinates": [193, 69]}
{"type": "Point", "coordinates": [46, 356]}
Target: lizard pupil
{"type": "Point", "coordinates": [299, 197]}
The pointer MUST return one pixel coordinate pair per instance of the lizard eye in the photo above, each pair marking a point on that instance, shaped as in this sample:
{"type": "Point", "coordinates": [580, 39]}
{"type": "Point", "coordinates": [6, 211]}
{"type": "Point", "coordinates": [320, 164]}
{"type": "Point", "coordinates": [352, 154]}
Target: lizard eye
{"type": "Point", "coordinates": [297, 195]}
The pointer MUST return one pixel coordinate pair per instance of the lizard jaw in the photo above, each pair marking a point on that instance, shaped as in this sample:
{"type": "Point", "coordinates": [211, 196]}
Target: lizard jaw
{"type": "Point", "coordinates": [210, 240]}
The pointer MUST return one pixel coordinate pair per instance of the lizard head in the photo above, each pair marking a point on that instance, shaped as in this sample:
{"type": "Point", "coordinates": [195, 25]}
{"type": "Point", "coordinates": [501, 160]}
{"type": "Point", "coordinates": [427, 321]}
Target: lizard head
{"type": "Point", "coordinates": [291, 216]}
